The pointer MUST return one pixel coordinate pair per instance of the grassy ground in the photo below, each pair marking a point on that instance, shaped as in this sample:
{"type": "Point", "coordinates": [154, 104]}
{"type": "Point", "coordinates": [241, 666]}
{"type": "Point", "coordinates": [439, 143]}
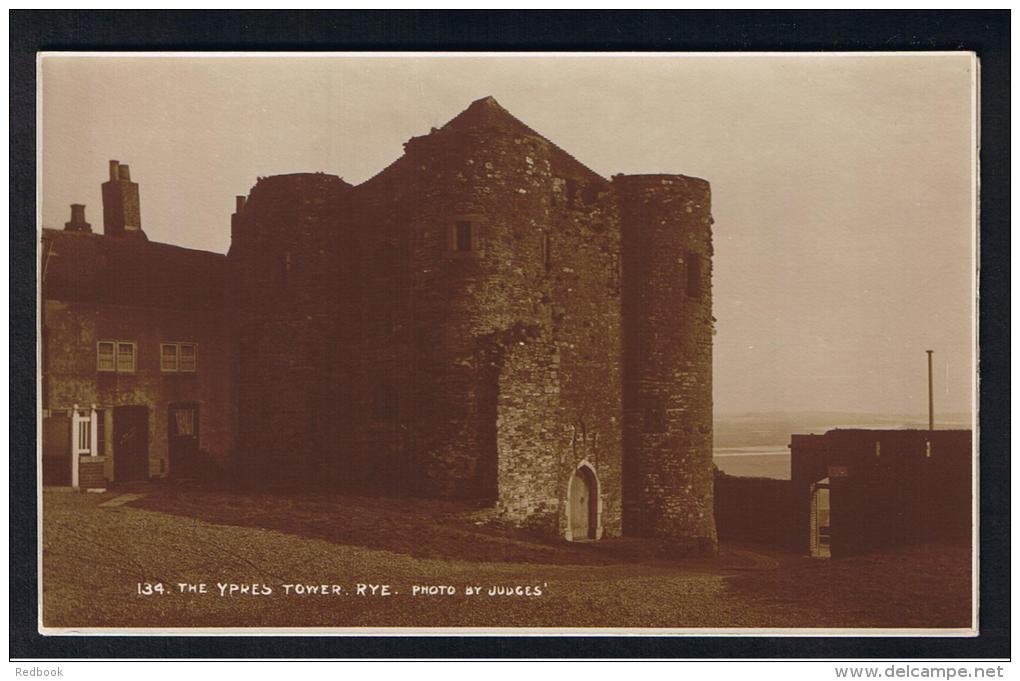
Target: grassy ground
{"type": "Point", "coordinates": [94, 557]}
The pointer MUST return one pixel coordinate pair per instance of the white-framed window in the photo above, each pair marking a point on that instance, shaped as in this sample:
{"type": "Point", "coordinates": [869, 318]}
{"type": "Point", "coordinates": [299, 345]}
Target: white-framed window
{"type": "Point", "coordinates": [105, 356]}
{"type": "Point", "coordinates": [169, 357]}
{"type": "Point", "coordinates": [126, 357]}
{"type": "Point", "coordinates": [116, 356]}
{"type": "Point", "coordinates": [189, 357]}
{"type": "Point", "coordinates": [178, 357]}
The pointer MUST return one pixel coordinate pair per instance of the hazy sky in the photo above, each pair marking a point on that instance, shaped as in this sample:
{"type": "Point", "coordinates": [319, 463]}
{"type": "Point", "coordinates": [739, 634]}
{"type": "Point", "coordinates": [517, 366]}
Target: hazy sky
{"type": "Point", "coordinates": [841, 184]}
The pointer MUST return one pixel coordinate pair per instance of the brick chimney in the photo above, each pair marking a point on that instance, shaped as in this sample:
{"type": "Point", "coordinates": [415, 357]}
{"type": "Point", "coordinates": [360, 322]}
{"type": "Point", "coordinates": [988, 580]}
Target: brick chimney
{"type": "Point", "coordinates": [77, 222]}
{"type": "Point", "coordinates": [122, 216]}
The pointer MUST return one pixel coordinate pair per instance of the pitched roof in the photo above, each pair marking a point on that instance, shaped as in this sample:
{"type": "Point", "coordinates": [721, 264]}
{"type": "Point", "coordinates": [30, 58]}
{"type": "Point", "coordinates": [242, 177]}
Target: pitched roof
{"type": "Point", "coordinates": [488, 117]}
{"type": "Point", "coordinates": [82, 266]}
{"type": "Point", "coordinates": [487, 113]}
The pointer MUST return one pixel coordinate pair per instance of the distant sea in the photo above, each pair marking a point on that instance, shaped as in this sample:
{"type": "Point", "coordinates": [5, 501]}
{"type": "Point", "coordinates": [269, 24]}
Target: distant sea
{"type": "Point", "coordinates": [754, 444]}
{"type": "Point", "coordinates": [767, 461]}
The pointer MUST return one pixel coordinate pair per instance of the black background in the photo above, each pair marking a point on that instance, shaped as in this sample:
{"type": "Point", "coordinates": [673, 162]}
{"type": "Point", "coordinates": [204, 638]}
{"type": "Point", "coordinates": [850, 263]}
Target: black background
{"type": "Point", "coordinates": [985, 32]}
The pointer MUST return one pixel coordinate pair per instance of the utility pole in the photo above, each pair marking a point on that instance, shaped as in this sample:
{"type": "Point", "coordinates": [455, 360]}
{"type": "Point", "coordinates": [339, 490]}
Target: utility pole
{"type": "Point", "coordinates": [931, 398]}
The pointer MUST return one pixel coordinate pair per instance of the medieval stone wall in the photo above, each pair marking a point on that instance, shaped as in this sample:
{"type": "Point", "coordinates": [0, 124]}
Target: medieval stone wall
{"type": "Point", "coordinates": [541, 259]}
{"type": "Point", "coordinates": [285, 278]}
{"type": "Point", "coordinates": [667, 249]}
{"type": "Point", "coordinates": [455, 326]}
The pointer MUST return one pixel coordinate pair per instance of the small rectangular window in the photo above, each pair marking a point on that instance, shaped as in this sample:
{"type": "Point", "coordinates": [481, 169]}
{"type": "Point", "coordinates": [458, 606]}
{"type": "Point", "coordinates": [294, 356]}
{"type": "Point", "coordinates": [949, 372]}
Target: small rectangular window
{"type": "Point", "coordinates": [572, 193]}
{"type": "Point", "coordinates": [693, 275]}
{"type": "Point", "coordinates": [183, 421]}
{"type": "Point", "coordinates": [105, 356]}
{"type": "Point", "coordinates": [125, 357]}
{"type": "Point", "coordinates": [463, 235]}
{"type": "Point", "coordinates": [168, 357]}
{"type": "Point", "coordinates": [189, 357]}
{"type": "Point", "coordinates": [655, 416]}
{"type": "Point", "coordinates": [178, 357]}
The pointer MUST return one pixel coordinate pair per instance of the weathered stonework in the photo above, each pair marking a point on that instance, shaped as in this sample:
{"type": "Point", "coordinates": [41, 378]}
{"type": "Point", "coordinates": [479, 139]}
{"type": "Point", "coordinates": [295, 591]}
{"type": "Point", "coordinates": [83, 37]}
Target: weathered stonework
{"type": "Point", "coordinates": [667, 251]}
{"type": "Point", "coordinates": [478, 321]}
{"type": "Point", "coordinates": [485, 319]}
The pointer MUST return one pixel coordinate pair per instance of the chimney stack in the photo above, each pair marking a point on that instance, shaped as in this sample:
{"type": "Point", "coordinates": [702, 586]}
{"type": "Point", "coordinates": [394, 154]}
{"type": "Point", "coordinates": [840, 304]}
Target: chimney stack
{"type": "Point", "coordinates": [122, 215]}
{"type": "Point", "coordinates": [239, 206]}
{"type": "Point", "coordinates": [77, 222]}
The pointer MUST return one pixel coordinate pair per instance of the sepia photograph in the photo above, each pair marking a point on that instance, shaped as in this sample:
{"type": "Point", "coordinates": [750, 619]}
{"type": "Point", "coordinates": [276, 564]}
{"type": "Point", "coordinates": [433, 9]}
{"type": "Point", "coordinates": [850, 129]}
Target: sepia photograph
{"type": "Point", "coordinates": [448, 343]}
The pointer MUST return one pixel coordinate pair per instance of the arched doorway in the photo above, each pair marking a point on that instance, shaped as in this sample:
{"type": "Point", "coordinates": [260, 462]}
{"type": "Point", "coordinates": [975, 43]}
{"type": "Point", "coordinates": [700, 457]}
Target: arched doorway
{"type": "Point", "coordinates": [583, 505]}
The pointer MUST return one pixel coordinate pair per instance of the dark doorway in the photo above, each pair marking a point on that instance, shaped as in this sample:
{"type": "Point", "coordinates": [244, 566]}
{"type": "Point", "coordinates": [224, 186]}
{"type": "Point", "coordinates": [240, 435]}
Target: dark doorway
{"type": "Point", "coordinates": [130, 443]}
{"type": "Point", "coordinates": [583, 504]}
{"type": "Point", "coordinates": [182, 430]}
{"type": "Point", "coordinates": [56, 439]}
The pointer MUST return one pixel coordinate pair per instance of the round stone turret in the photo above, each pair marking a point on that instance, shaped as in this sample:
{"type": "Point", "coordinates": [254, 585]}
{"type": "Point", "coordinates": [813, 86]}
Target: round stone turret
{"type": "Point", "coordinates": [668, 327]}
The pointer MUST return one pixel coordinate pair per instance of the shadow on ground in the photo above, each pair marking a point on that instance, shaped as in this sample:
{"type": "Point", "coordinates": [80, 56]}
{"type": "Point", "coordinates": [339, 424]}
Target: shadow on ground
{"type": "Point", "coordinates": [421, 528]}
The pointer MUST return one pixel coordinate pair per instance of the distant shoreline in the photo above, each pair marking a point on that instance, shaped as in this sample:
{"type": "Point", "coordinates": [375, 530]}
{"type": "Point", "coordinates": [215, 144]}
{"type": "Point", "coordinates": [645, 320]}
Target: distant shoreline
{"type": "Point", "coordinates": [773, 429]}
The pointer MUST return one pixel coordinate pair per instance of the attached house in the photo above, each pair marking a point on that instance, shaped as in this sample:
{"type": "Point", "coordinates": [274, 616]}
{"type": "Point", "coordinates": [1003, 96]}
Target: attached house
{"type": "Point", "coordinates": [136, 367]}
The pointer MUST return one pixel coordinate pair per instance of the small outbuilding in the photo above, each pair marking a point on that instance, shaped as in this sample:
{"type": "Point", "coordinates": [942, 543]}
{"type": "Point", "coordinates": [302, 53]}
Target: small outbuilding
{"type": "Point", "coordinates": [857, 490]}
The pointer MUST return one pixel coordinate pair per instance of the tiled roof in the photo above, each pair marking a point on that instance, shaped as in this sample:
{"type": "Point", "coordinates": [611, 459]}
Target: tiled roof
{"type": "Point", "coordinates": [82, 266]}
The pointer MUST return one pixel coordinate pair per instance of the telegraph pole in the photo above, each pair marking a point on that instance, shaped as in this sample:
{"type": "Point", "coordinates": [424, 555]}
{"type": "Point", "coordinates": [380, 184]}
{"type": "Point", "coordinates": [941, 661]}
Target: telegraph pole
{"type": "Point", "coordinates": [931, 399]}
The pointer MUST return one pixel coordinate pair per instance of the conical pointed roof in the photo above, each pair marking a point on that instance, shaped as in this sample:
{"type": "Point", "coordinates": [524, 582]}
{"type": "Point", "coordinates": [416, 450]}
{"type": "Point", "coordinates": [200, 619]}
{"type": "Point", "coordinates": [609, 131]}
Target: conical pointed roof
{"type": "Point", "coordinates": [486, 116]}
{"type": "Point", "coordinates": [487, 113]}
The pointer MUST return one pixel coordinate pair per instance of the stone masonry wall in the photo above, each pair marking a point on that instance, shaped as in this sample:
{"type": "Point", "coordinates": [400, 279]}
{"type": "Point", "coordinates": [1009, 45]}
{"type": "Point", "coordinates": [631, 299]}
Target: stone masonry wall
{"type": "Point", "coordinates": [667, 251]}
{"type": "Point", "coordinates": [381, 345]}
{"type": "Point", "coordinates": [540, 260]}
{"type": "Point", "coordinates": [285, 280]}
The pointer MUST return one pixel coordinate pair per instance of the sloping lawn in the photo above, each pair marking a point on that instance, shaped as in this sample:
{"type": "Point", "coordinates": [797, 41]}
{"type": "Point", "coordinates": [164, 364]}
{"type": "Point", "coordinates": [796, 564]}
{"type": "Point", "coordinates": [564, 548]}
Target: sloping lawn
{"type": "Point", "coordinates": [95, 557]}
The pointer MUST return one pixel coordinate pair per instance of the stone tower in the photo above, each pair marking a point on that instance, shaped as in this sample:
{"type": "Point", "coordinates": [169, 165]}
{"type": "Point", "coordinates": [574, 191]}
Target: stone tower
{"type": "Point", "coordinates": [668, 327]}
{"type": "Point", "coordinates": [285, 276]}
{"type": "Point", "coordinates": [506, 328]}
{"type": "Point", "coordinates": [486, 319]}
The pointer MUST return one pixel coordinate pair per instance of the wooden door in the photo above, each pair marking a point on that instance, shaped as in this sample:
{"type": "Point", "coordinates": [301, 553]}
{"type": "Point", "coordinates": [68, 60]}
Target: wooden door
{"type": "Point", "coordinates": [582, 502]}
{"type": "Point", "coordinates": [130, 443]}
{"type": "Point", "coordinates": [182, 431]}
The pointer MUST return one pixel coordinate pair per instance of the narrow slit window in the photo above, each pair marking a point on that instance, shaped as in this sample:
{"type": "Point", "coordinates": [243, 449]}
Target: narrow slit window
{"type": "Point", "coordinates": [693, 275]}
{"type": "Point", "coordinates": [547, 252]}
{"type": "Point", "coordinates": [655, 416]}
{"type": "Point", "coordinates": [571, 193]}
{"type": "Point", "coordinates": [463, 236]}
{"type": "Point", "coordinates": [285, 266]}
